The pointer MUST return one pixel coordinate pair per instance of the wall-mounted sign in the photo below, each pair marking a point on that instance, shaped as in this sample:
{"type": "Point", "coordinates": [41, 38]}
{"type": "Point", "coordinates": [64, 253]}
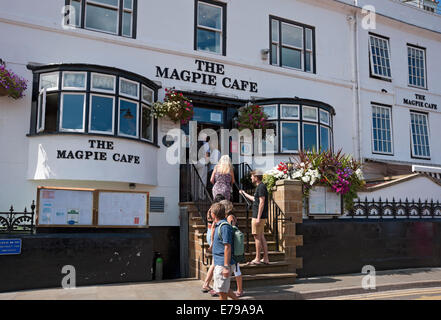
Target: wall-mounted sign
{"type": "Point", "coordinates": [324, 201]}
{"type": "Point", "coordinates": [428, 102]}
{"type": "Point", "coordinates": [10, 246]}
{"type": "Point", "coordinates": [96, 153]}
{"type": "Point", "coordinates": [206, 73]}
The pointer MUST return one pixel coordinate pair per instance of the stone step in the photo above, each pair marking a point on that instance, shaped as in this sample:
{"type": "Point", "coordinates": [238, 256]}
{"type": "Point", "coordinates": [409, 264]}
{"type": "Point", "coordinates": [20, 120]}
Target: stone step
{"type": "Point", "coordinates": [272, 255]}
{"type": "Point", "coordinates": [265, 279]}
{"type": "Point", "coordinates": [272, 267]}
{"type": "Point", "coordinates": [268, 235]}
{"type": "Point", "coordinates": [271, 245]}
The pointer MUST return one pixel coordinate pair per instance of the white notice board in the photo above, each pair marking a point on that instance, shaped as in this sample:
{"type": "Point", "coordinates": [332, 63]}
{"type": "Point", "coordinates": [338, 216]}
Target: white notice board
{"type": "Point", "coordinates": [123, 208]}
{"type": "Point", "coordinates": [57, 207]}
{"type": "Point", "coordinates": [324, 201]}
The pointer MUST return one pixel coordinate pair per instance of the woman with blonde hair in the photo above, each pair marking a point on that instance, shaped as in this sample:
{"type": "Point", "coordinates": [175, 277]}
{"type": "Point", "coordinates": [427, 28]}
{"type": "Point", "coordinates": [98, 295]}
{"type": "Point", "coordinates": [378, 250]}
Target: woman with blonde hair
{"type": "Point", "coordinates": [223, 177]}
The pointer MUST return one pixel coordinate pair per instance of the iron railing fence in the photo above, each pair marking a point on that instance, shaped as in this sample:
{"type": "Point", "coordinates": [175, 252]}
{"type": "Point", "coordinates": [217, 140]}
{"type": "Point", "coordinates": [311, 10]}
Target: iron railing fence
{"type": "Point", "coordinates": [13, 222]}
{"type": "Point", "coordinates": [395, 209]}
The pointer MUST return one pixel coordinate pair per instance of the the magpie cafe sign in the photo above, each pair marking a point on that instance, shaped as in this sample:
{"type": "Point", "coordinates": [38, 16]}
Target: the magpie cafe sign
{"type": "Point", "coordinates": [99, 150]}
{"type": "Point", "coordinates": [418, 100]}
{"type": "Point", "coordinates": [206, 73]}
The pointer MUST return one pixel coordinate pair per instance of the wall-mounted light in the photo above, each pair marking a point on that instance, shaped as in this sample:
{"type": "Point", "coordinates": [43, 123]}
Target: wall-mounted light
{"type": "Point", "coordinates": [264, 54]}
{"type": "Point", "coordinates": [128, 115]}
{"type": "Point", "coordinates": [384, 90]}
{"type": "Point", "coordinates": [132, 186]}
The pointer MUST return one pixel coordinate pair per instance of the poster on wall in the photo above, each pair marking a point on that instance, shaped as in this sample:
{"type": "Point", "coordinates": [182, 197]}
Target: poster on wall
{"type": "Point", "coordinates": [61, 207]}
{"type": "Point", "coordinates": [123, 208]}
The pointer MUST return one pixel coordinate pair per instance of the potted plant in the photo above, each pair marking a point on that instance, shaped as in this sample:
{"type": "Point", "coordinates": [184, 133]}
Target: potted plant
{"type": "Point", "coordinates": [253, 117]}
{"type": "Point", "coordinates": [11, 84]}
{"type": "Point", "coordinates": [176, 107]}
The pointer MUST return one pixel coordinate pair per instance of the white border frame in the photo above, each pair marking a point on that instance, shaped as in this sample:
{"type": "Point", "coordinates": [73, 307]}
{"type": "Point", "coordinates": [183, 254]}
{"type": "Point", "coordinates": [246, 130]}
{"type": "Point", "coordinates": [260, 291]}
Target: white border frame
{"type": "Point", "coordinates": [411, 135]}
{"type": "Point", "coordinates": [153, 123]}
{"type": "Point", "coordinates": [371, 58]}
{"type": "Point", "coordinates": [290, 118]}
{"type": "Point", "coordinates": [61, 129]}
{"type": "Point", "coordinates": [316, 135]}
{"type": "Point", "coordinates": [74, 88]}
{"type": "Point", "coordinates": [281, 137]}
{"type": "Point", "coordinates": [91, 110]}
{"type": "Point", "coordinates": [142, 97]}
{"type": "Point", "coordinates": [92, 89]}
{"type": "Point", "coordinates": [119, 118]}
{"type": "Point", "coordinates": [391, 131]}
{"type": "Point", "coordinates": [51, 88]}
{"type": "Point", "coordinates": [125, 94]}
{"type": "Point", "coordinates": [316, 114]}
{"type": "Point", "coordinates": [41, 114]}
{"type": "Point", "coordinates": [329, 136]}
{"type": "Point", "coordinates": [329, 117]}
{"type": "Point", "coordinates": [277, 111]}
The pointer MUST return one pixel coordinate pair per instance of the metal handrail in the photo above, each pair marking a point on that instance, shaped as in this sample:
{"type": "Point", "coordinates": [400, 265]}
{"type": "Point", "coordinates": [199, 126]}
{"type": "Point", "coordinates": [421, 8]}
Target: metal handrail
{"type": "Point", "coordinates": [248, 206]}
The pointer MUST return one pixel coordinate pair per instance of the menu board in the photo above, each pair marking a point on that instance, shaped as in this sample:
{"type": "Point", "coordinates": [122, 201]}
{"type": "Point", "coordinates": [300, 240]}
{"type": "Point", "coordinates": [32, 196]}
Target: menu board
{"type": "Point", "coordinates": [323, 201]}
{"type": "Point", "coordinates": [65, 207]}
{"type": "Point", "coordinates": [122, 208]}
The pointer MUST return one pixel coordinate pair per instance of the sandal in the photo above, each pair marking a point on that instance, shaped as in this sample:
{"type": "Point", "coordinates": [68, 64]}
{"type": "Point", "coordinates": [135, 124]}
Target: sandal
{"type": "Point", "coordinates": [213, 293]}
{"type": "Point", "coordinates": [253, 263]}
{"type": "Point", "coordinates": [264, 262]}
{"type": "Point", "coordinates": [238, 294]}
{"type": "Point", "coordinates": [206, 289]}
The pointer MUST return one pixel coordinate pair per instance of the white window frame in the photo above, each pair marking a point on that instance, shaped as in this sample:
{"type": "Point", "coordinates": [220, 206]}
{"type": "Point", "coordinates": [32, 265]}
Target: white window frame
{"type": "Point", "coordinates": [47, 74]}
{"type": "Point", "coordinates": [309, 51]}
{"type": "Point", "coordinates": [276, 43]}
{"type": "Point", "coordinates": [92, 74]}
{"type": "Point", "coordinates": [316, 119]}
{"type": "Point", "coordinates": [119, 118]}
{"type": "Point", "coordinates": [128, 95]}
{"type": "Point", "coordinates": [423, 51]}
{"type": "Point", "coordinates": [73, 88]}
{"type": "Point", "coordinates": [290, 105]}
{"type": "Point", "coordinates": [301, 49]}
{"type": "Point", "coordinates": [142, 96]}
{"type": "Point", "coordinates": [281, 137]}
{"type": "Point", "coordinates": [61, 129]}
{"type": "Point", "coordinates": [372, 58]}
{"type": "Point", "coordinates": [131, 20]}
{"type": "Point", "coordinates": [329, 117]}
{"type": "Point", "coordinates": [103, 5]}
{"type": "Point", "coordinates": [220, 31]}
{"type": "Point", "coordinates": [428, 135]}
{"type": "Point", "coordinates": [316, 134]}
{"type": "Point", "coordinates": [391, 130]}
{"type": "Point", "coordinates": [277, 111]}
{"type": "Point", "coordinates": [329, 136]}
{"type": "Point", "coordinates": [143, 105]}
{"type": "Point", "coordinates": [91, 109]}
{"type": "Point", "coordinates": [41, 102]}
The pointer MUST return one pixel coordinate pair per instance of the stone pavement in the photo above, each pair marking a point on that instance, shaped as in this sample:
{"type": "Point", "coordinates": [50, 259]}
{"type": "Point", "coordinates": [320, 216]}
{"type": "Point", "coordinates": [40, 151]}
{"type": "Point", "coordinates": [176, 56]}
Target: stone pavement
{"type": "Point", "coordinates": [189, 289]}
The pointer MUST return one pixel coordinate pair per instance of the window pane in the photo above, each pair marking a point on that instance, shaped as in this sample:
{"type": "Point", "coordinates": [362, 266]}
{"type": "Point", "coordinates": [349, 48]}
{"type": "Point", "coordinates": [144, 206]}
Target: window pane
{"type": "Point", "coordinates": [308, 62]}
{"type": "Point", "coordinates": [291, 58]}
{"type": "Point", "coordinates": [290, 136]}
{"type": "Point", "coordinates": [309, 137]}
{"type": "Point", "coordinates": [290, 111]}
{"type": "Point", "coordinates": [128, 4]}
{"type": "Point", "coordinates": [209, 41]}
{"type": "Point", "coordinates": [74, 80]}
{"type": "Point", "coordinates": [308, 39]}
{"type": "Point", "coordinates": [274, 54]}
{"type": "Point", "coordinates": [109, 2]}
{"type": "Point", "coordinates": [100, 18]}
{"type": "Point", "coordinates": [292, 35]}
{"type": "Point", "coordinates": [73, 111]}
{"type": "Point", "coordinates": [128, 88]}
{"type": "Point", "coordinates": [324, 117]}
{"type": "Point", "coordinates": [49, 81]}
{"type": "Point", "coordinates": [324, 138]}
{"type": "Point", "coordinates": [275, 30]}
{"type": "Point", "coordinates": [51, 115]}
{"type": "Point", "coordinates": [127, 24]}
{"type": "Point", "coordinates": [147, 94]}
{"type": "Point", "coordinates": [77, 14]}
{"type": "Point", "coordinates": [128, 114]}
{"type": "Point", "coordinates": [103, 82]}
{"type": "Point", "coordinates": [101, 114]}
{"type": "Point", "coordinates": [271, 144]}
{"type": "Point", "coordinates": [271, 111]}
{"type": "Point", "coordinates": [310, 113]}
{"type": "Point", "coordinates": [41, 101]}
{"type": "Point", "coordinates": [209, 16]}
{"type": "Point", "coordinates": [147, 124]}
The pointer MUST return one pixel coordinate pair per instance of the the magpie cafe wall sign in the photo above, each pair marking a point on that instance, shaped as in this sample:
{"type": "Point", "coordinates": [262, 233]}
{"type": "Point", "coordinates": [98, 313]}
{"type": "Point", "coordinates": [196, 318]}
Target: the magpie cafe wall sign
{"type": "Point", "coordinates": [206, 73]}
{"type": "Point", "coordinates": [424, 101]}
{"type": "Point", "coordinates": [99, 150]}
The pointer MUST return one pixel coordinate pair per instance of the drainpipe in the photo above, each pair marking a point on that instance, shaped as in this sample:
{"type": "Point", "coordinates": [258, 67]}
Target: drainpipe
{"type": "Point", "coordinates": [356, 88]}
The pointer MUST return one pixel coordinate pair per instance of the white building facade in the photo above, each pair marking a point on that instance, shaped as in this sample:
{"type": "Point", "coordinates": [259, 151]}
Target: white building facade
{"type": "Point", "coordinates": [85, 119]}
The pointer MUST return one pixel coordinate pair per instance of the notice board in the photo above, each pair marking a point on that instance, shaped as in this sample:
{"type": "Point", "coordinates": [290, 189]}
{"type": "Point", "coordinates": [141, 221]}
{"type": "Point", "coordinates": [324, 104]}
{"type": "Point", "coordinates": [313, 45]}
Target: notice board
{"type": "Point", "coordinates": [75, 207]}
{"type": "Point", "coordinates": [324, 201]}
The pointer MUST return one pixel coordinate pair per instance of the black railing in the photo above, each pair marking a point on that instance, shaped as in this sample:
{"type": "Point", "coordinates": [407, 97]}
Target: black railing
{"type": "Point", "coordinates": [248, 204]}
{"type": "Point", "coordinates": [275, 216]}
{"type": "Point", "coordinates": [395, 209]}
{"type": "Point", "coordinates": [18, 222]}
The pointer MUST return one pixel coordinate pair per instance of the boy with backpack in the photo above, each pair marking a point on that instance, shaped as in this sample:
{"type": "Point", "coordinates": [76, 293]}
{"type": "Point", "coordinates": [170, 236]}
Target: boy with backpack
{"type": "Point", "coordinates": [238, 239]}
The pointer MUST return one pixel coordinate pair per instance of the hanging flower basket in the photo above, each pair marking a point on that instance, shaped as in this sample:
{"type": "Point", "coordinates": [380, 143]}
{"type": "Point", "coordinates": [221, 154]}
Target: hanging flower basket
{"type": "Point", "coordinates": [176, 107]}
{"type": "Point", "coordinates": [253, 117]}
{"type": "Point", "coordinates": [11, 84]}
